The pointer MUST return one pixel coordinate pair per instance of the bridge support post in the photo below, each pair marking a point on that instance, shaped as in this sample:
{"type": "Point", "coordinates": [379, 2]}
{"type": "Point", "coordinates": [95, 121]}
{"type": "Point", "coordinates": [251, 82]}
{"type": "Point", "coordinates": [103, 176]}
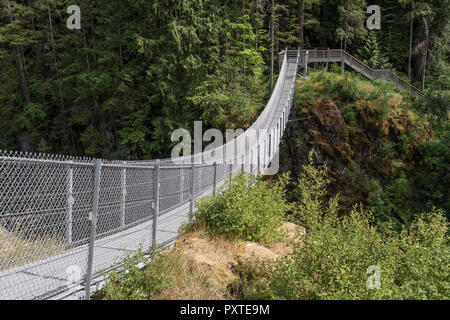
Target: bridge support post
{"type": "Point", "coordinates": [251, 161]}
{"type": "Point", "coordinates": [264, 154]}
{"type": "Point", "coordinates": [258, 167]}
{"type": "Point", "coordinates": [123, 182]}
{"type": "Point", "coordinates": [191, 207]}
{"type": "Point", "coordinates": [93, 218]}
{"type": "Point", "coordinates": [342, 66]}
{"type": "Point", "coordinates": [214, 178]}
{"type": "Point", "coordinates": [70, 202]}
{"type": "Point", "coordinates": [279, 124]}
{"type": "Point", "coordinates": [306, 62]}
{"type": "Point", "coordinates": [156, 186]}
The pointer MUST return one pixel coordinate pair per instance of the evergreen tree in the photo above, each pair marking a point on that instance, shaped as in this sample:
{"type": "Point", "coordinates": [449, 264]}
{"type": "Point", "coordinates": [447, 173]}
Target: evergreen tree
{"type": "Point", "coordinates": [370, 53]}
{"type": "Point", "coordinates": [352, 18]}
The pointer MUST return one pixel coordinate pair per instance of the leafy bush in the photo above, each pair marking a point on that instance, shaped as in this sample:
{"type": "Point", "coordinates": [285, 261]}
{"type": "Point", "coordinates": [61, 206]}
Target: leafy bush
{"type": "Point", "coordinates": [246, 208]}
{"type": "Point", "coordinates": [422, 259]}
{"type": "Point", "coordinates": [388, 151]}
{"type": "Point", "coordinates": [137, 284]}
{"type": "Point", "coordinates": [348, 89]}
{"type": "Point", "coordinates": [388, 204]}
{"type": "Point", "coordinates": [332, 260]}
{"type": "Point", "coordinates": [431, 176]}
{"type": "Point", "coordinates": [305, 94]}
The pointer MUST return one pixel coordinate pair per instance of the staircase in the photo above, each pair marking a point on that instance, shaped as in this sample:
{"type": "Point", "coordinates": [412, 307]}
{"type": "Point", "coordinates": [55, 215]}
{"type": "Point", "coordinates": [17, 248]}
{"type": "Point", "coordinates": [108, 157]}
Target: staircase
{"type": "Point", "coordinates": [337, 55]}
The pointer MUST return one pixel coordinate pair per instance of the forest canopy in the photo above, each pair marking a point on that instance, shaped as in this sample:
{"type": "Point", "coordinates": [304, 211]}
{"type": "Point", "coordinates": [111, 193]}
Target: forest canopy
{"type": "Point", "coordinates": [137, 69]}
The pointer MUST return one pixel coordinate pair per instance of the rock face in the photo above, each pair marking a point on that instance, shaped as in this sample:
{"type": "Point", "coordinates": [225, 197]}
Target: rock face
{"type": "Point", "coordinates": [218, 258]}
{"type": "Point", "coordinates": [349, 135]}
{"type": "Point", "coordinates": [321, 128]}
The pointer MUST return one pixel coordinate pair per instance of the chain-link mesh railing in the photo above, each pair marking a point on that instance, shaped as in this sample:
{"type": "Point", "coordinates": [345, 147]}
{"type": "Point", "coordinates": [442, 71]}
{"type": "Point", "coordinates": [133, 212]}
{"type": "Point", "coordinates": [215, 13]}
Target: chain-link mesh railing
{"type": "Point", "coordinates": [65, 222]}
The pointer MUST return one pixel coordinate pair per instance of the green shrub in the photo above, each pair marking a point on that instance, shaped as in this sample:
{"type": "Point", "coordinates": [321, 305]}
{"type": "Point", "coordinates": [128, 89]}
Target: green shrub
{"type": "Point", "coordinates": [335, 68]}
{"type": "Point", "coordinates": [422, 259]}
{"type": "Point", "coordinates": [349, 113]}
{"type": "Point", "coordinates": [246, 208]}
{"type": "Point", "coordinates": [305, 94]}
{"type": "Point", "coordinates": [389, 204]}
{"type": "Point", "coordinates": [388, 151]}
{"type": "Point", "coordinates": [137, 284]}
{"type": "Point", "coordinates": [311, 192]}
{"type": "Point", "coordinates": [332, 259]}
{"type": "Point", "coordinates": [348, 89]}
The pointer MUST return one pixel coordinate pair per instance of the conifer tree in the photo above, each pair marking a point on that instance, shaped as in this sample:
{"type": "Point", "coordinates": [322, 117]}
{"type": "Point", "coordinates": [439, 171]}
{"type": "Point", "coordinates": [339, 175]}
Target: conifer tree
{"type": "Point", "coordinates": [352, 19]}
{"type": "Point", "coordinates": [370, 53]}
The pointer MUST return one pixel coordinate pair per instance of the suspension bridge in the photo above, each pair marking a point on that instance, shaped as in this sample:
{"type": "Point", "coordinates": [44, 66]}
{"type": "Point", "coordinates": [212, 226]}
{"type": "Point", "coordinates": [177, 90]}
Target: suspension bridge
{"type": "Point", "coordinates": [66, 222]}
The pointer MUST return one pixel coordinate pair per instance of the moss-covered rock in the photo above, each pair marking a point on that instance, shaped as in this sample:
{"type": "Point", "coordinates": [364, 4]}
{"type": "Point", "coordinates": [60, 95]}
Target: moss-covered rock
{"type": "Point", "coordinates": [361, 130]}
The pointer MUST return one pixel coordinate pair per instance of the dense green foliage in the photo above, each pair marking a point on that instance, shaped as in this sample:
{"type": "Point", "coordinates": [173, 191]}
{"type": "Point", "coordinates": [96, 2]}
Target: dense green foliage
{"type": "Point", "coordinates": [331, 260]}
{"type": "Point", "coordinates": [245, 208]}
{"type": "Point", "coordinates": [370, 53]}
{"type": "Point", "coordinates": [137, 284]}
{"type": "Point", "coordinates": [382, 149]}
{"type": "Point", "coordinates": [137, 70]}
{"type": "Point", "coordinates": [335, 258]}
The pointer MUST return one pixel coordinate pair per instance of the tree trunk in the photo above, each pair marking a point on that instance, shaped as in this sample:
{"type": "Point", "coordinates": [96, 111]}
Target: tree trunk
{"type": "Point", "coordinates": [301, 23]}
{"type": "Point", "coordinates": [54, 57]}
{"type": "Point", "coordinates": [61, 98]}
{"type": "Point", "coordinates": [410, 44]}
{"type": "Point", "coordinates": [20, 64]}
{"type": "Point", "coordinates": [346, 25]}
{"type": "Point", "coordinates": [256, 25]}
{"type": "Point", "coordinates": [120, 49]}
{"type": "Point", "coordinates": [425, 64]}
{"type": "Point", "coordinates": [345, 40]}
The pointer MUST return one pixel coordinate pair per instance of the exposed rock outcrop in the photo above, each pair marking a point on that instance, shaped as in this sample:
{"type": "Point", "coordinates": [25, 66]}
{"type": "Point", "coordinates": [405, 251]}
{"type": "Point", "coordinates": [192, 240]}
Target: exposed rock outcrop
{"type": "Point", "coordinates": [219, 258]}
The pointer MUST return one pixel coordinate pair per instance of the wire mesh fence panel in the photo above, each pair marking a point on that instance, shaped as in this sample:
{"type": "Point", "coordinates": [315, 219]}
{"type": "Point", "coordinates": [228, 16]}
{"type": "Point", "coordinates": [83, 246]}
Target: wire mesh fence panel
{"type": "Point", "coordinates": [44, 207]}
{"type": "Point", "coordinates": [109, 214]}
{"type": "Point", "coordinates": [170, 188]}
{"type": "Point", "coordinates": [205, 179]}
{"type": "Point", "coordinates": [80, 203]}
{"type": "Point", "coordinates": [139, 195]}
{"type": "Point", "coordinates": [124, 217]}
{"type": "Point", "coordinates": [186, 173]}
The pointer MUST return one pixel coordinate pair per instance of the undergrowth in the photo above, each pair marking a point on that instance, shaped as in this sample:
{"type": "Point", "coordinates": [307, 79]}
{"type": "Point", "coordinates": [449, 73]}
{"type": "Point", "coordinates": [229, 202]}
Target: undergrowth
{"type": "Point", "coordinates": [246, 208]}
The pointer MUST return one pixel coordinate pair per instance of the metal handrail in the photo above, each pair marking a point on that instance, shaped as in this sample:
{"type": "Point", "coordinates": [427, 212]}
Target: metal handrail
{"type": "Point", "coordinates": [365, 69]}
